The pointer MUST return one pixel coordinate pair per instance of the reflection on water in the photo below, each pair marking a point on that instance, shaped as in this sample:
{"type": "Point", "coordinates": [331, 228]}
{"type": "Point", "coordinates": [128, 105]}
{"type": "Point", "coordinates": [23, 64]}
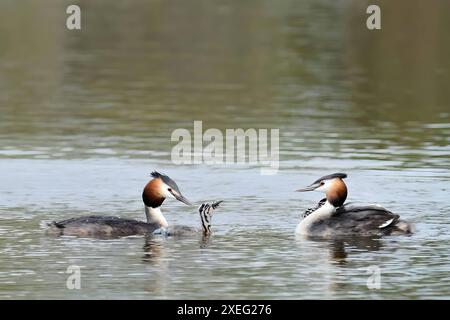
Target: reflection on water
{"type": "Point", "coordinates": [139, 70]}
{"type": "Point", "coordinates": [339, 247]}
{"type": "Point", "coordinates": [153, 248]}
{"type": "Point", "coordinates": [85, 116]}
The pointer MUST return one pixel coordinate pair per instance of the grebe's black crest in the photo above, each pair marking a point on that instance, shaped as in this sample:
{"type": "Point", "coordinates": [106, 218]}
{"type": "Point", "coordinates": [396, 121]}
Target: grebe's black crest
{"type": "Point", "coordinates": [166, 180]}
{"type": "Point", "coordinates": [332, 176]}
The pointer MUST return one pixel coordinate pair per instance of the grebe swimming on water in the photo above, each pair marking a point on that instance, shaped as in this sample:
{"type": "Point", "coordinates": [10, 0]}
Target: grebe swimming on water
{"type": "Point", "coordinates": [154, 194]}
{"type": "Point", "coordinates": [206, 211]}
{"type": "Point", "coordinates": [331, 217]}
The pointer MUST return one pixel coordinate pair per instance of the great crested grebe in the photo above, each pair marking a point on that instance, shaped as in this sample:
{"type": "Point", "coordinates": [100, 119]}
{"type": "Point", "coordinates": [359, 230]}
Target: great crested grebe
{"type": "Point", "coordinates": [331, 217]}
{"type": "Point", "coordinates": [154, 194]}
{"type": "Point", "coordinates": [206, 211]}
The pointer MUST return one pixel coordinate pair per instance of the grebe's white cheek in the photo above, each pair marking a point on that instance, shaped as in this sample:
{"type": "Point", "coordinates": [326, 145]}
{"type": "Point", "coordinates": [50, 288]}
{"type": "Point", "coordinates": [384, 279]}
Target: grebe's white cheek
{"type": "Point", "coordinates": [324, 187]}
{"type": "Point", "coordinates": [320, 189]}
{"type": "Point", "coordinates": [165, 191]}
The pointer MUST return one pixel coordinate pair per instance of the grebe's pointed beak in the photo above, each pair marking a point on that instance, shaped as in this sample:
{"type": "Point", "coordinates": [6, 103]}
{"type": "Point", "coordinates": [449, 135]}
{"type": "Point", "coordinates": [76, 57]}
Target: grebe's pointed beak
{"type": "Point", "coordinates": [181, 198]}
{"type": "Point", "coordinates": [312, 187]}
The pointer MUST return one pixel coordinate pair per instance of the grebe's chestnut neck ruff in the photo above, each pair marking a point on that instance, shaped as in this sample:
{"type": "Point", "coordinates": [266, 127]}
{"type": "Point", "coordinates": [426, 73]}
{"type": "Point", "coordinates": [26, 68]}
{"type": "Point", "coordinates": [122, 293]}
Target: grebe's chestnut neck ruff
{"type": "Point", "coordinates": [331, 217]}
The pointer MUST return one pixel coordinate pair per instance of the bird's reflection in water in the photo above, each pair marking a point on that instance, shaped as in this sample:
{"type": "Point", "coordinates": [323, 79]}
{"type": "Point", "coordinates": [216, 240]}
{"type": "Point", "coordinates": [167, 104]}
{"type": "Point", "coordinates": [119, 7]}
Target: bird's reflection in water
{"type": "Point", "coordinates": [337, 251]}
{"type": "Point", "coordinates": [205, 241]}
{"type": "Point", "coordinates": [153, 249]}
{"type": "Point", "coordinates": [339, 247]}
{"type": "Point", "coordinates": [154, 246]}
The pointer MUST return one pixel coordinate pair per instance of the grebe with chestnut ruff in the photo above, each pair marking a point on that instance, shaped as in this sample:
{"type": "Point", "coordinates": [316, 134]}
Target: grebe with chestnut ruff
{"type": "Point", "coordinates": [153, 196]}
{"type": "Point", "coordinates": [331, 217]}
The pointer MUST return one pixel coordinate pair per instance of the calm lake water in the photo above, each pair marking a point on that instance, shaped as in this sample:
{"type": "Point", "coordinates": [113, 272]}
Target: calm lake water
{"type": "Point", "coordinates": [86, 115]}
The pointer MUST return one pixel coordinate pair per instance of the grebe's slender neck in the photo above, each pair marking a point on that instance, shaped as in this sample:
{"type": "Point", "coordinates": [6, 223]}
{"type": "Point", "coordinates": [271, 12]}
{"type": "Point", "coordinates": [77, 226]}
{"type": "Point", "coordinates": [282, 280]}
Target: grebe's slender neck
{"type": "Point", "coordinates": [322, 213]}
{"type": "Point", "coordinates": [154, 215]}
{"type": "Point", "coordinates": [206, 210]}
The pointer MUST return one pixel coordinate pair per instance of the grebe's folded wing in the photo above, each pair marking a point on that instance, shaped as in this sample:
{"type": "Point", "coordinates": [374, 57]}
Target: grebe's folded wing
{"type": "Point", "coordinates": [351, 207]}
{"type": "Point", "coordinates": [85, 219]}
{"type": "Point", "coordinates": [101, 227]}
{"type": "Point", "coordinates": [366, 216]}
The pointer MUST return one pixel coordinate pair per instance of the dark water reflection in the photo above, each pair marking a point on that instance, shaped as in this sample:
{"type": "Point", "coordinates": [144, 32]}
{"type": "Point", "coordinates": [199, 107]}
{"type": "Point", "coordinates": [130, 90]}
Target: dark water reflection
{"type": "Point", "coordinates": [86, 115]}
{"type": "Point", "coordinates": [339, 247]}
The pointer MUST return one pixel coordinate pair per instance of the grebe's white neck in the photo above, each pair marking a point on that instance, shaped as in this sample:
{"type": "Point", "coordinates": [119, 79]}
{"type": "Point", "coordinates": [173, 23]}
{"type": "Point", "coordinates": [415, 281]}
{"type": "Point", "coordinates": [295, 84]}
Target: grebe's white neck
{"type": "Point", "coordinates": [322, 213]}
{"type": "Point", "coordinates": [154, 215]}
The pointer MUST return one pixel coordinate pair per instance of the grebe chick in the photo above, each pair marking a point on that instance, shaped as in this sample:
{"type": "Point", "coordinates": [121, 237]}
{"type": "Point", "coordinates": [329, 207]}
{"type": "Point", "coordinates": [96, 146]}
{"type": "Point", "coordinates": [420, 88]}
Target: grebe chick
{"type": "Point", "coordinates": [153, 196]}
{"type": "Point", "coordinates": [206, 211]}
{"type": "Point", "coordinates": [331, 217]}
